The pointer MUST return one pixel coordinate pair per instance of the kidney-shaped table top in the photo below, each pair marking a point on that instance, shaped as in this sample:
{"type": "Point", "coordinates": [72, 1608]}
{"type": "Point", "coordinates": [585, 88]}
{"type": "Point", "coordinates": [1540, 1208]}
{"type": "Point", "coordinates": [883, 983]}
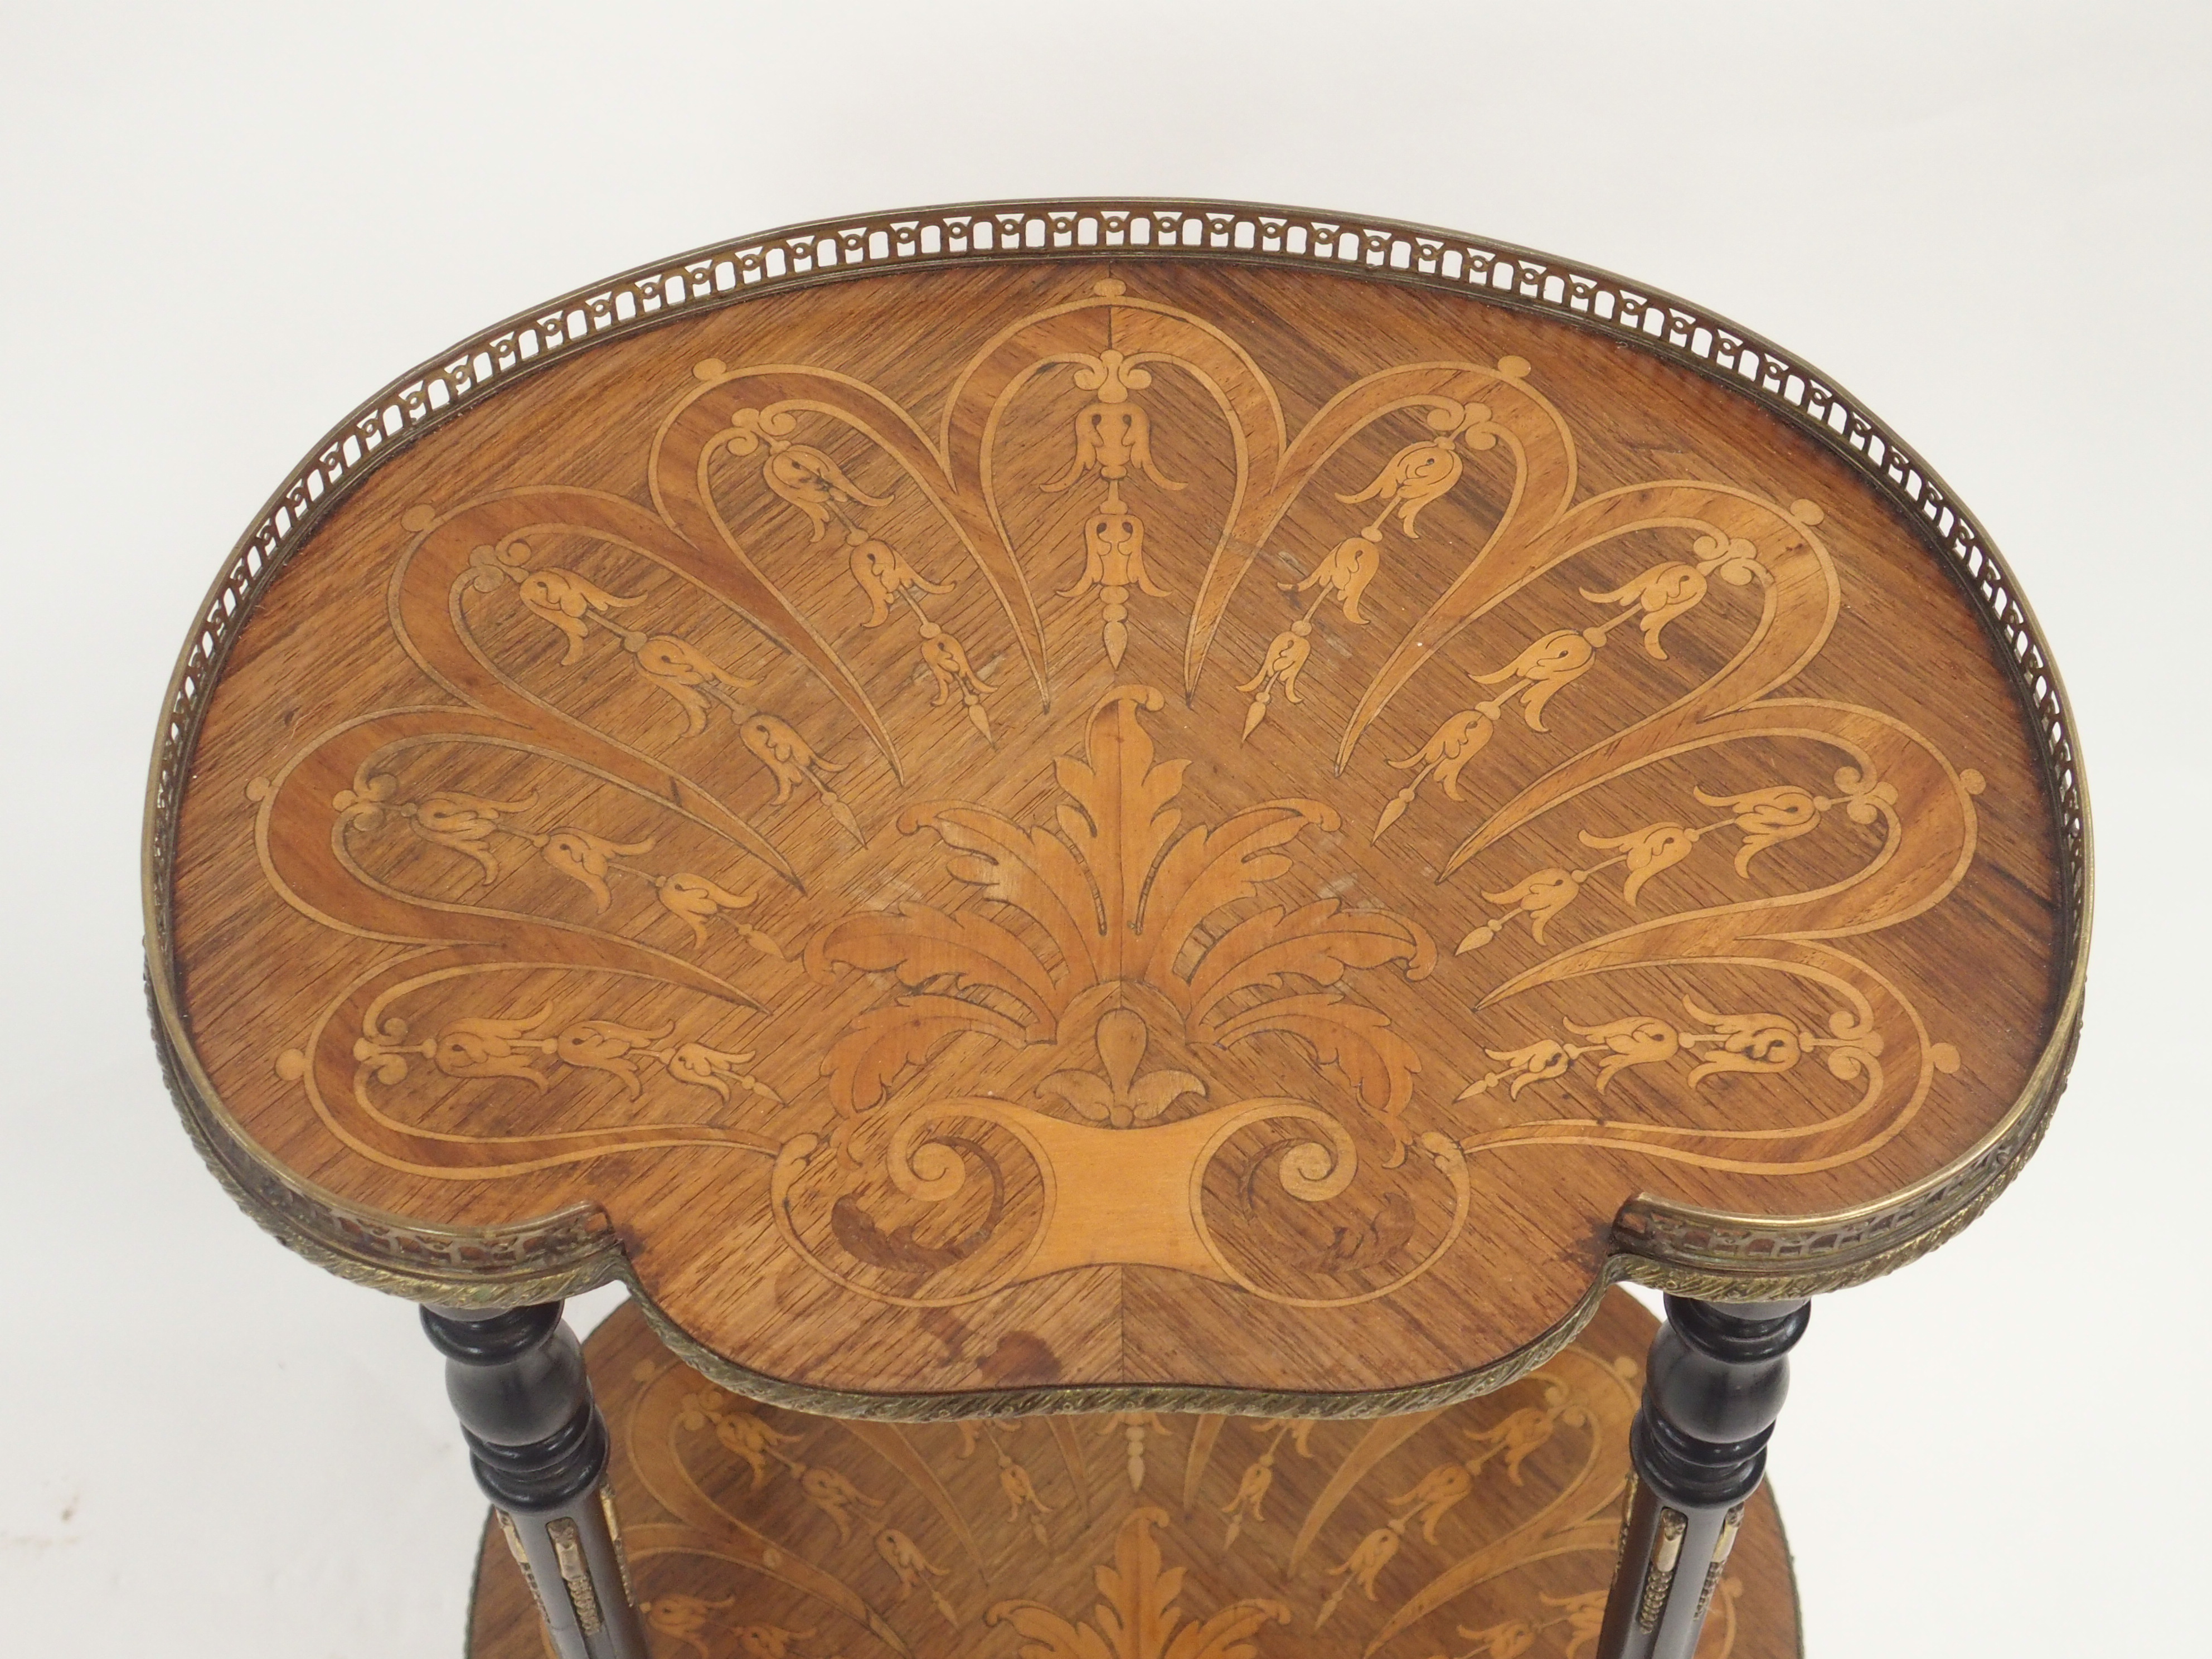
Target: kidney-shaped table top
{"type": "Point", "coordinates": [1110, 807]}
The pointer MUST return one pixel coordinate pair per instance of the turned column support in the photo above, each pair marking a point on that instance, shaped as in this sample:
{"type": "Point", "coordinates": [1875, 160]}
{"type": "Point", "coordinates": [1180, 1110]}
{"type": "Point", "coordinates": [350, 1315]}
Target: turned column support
{"type": "Point", "coordinates": [1714, 1386]}
{"type": "Point", "coordinates": [538, 1446]}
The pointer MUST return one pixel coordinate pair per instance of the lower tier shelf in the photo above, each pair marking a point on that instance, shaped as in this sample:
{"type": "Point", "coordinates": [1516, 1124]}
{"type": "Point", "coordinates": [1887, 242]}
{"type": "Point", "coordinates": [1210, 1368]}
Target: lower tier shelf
{"type": "Point", "coordinates": [1486, 1530]}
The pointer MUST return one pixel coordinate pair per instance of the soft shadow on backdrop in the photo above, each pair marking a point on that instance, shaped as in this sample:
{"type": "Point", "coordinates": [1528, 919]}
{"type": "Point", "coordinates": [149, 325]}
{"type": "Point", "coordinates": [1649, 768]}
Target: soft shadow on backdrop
{"type": "Point", "coordinates": [223, 229]}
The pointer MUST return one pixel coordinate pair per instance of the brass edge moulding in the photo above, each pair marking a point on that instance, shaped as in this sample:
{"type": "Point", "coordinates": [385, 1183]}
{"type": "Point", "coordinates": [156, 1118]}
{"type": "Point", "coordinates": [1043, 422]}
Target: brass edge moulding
{"type": "Point", "coordinates": [1669, 1246]}
{"type": "Point", "coordinates": [1716, 1254]}
{"type": "Point", "coordinates": [562, 1254]}
{"type": "Point", "coordinates": [1111, 1397]}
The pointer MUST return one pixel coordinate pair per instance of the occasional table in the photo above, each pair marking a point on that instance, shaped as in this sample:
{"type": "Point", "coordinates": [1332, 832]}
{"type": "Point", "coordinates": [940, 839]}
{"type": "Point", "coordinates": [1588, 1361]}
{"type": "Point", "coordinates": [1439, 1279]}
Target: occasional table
{"type": "Point", "coordinates": [1122, 856]}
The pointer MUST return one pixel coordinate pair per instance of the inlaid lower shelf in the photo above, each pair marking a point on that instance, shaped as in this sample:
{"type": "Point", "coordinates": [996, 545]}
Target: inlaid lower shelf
{"type": "Point", "coordinates": [1486, 1530]}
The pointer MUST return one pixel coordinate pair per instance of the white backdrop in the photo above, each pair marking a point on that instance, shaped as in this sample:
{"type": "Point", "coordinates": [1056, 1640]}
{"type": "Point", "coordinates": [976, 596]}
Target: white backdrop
{"type": "Point", "coordinates": [220, 230]}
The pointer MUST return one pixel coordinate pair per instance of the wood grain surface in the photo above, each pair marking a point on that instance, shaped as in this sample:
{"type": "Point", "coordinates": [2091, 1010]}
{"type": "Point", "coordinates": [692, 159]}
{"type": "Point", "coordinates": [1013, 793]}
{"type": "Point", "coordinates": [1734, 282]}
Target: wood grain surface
{"type": "Point", "coordinates": [1081, 823]}
{"type": "Point", "coordinates": [1486, 1530]}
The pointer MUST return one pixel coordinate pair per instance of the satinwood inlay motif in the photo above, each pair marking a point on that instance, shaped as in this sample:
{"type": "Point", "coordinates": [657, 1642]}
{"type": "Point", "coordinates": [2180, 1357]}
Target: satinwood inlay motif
{"type": "Point", "coordinates": [944, 833]}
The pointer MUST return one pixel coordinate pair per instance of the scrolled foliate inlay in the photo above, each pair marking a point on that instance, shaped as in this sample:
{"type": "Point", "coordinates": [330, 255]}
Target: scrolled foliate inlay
{"type": "Point", "coordinates": [1105, 795]}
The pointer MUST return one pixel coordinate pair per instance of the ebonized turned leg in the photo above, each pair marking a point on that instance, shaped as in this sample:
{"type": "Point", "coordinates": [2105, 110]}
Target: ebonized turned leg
{"type": "Point", "coordinates": [1714, 1387]}
{"type": "Point", "coordinates": [540, 1449]}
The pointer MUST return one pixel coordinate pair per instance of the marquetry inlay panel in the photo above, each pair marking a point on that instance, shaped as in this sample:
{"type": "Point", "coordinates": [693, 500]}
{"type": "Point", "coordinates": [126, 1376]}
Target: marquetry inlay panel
{"type": "Point", "coordinates": [1486, 1530]}
{"type": "Point", "coordinates": [1114, 822]}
